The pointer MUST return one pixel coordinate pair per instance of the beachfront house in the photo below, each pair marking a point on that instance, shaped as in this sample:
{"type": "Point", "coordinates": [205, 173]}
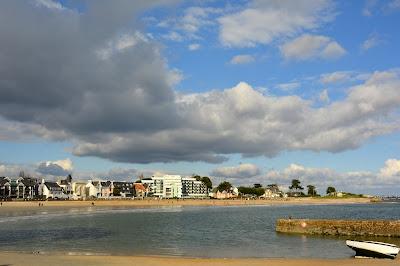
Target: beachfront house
{"type": "Point", "coordinates": [232, 193]}
{"type": "Point", "coordinates": [139, 190]}
{"type": "Point", "coordinates": [13, 187]}
{"type": "Point", "coordinates": [51, 190]}
{"type": "Point", "coordinates": [79, 190]}
{"type": "Point", "coordinates": [272, 191]}
{"type": "Point", "coordinates": [99, 189]}
{"type": "Point", "coordinates": [5, 187]}
{"type": "Point", "coordinates": [18, 188]}
{"type": "Point", "coordinates": [66, 185]}
{"type": "Point", "coordinates": [92, 189]}
{"type": "Point", "coordinates": [27, 188]}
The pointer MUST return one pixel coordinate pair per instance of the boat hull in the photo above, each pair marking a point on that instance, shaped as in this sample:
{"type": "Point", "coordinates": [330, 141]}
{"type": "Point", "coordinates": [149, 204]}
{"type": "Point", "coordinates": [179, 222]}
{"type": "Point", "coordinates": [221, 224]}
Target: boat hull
{"type": "Point", "coordinates": [373, 249]}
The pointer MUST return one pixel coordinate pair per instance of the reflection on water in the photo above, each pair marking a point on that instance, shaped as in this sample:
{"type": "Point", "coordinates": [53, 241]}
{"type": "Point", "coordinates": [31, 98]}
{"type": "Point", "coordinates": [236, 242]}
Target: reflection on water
{"type": "Point", "coordinates": [244, 231]}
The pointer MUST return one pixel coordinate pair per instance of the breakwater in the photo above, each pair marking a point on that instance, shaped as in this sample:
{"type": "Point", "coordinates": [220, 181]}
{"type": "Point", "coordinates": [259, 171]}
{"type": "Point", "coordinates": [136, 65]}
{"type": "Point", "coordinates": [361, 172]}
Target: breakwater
{"type": "Point", "coordinates": [388, 228]}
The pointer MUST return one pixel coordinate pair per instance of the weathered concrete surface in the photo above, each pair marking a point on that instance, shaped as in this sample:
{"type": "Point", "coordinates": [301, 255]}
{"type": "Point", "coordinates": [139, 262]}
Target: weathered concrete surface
{"type": "Point", "coordinates": [340, 227]}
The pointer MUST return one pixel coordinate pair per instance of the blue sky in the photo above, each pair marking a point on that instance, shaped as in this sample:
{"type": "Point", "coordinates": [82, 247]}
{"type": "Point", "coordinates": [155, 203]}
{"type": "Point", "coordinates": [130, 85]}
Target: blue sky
{"type": "Point", "coordinates": [250, 91]}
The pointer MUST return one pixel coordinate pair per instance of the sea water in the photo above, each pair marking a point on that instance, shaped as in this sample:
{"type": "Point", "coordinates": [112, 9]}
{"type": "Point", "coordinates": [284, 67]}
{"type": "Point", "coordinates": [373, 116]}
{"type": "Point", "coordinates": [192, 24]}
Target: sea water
{"type": "Point", "coordinates": [242, 231]}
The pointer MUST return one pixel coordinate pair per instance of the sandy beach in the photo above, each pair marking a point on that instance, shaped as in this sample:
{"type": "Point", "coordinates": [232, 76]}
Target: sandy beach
{"type": "Point", "coordinates": [183, 202]}
{"type": "Point", "coordinates": [16, 259]}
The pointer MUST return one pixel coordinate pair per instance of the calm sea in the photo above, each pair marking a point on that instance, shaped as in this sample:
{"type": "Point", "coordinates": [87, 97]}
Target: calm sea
{"type": "Point", "coordinates": [180, 231]}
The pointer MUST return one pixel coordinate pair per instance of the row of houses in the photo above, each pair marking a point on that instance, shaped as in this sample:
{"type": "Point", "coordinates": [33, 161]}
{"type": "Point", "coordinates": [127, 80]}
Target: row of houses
{"type": "Point", "coordinates": [167, 186]}
{"type": "Point", "coordinates": [270, 192]}
{"type": "Point", "coordinates": [19, 188]}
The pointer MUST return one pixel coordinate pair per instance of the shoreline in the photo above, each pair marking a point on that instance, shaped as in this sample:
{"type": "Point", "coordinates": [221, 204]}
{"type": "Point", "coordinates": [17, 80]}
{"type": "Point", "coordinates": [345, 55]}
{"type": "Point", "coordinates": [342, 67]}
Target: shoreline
{"type": "Point", "coordinates": [182, 202]}
{"type": "Point", "coordinates": [19, 258]}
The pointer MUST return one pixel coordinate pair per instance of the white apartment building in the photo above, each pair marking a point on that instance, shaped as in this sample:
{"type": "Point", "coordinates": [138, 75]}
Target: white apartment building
{"type": "Point", "coordinates": [167, 186]}
{"type": "Point", "coordinates": [191, 188]}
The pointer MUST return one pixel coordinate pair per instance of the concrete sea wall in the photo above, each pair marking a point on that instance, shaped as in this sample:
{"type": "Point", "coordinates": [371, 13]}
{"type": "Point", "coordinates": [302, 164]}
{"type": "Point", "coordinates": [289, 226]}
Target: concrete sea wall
{"type": "Point", "coordinates": [340, 227]}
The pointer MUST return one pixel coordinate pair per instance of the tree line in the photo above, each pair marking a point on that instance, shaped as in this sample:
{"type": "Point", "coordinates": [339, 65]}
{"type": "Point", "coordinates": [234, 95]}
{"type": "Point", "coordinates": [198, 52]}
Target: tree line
{"type": "Point", "coordinates": [296, 187]}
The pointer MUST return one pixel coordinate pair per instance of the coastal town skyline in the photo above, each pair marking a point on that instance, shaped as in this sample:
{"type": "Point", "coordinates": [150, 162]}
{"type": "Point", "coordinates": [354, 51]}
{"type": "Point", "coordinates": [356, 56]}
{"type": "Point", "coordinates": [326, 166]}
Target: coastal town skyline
{"type": "Point", "coordinates": [227, 90]}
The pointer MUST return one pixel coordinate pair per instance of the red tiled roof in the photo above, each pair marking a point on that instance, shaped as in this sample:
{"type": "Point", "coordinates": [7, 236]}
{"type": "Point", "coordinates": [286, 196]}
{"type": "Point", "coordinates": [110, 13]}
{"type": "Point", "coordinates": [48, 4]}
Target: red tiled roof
{"type": "Point", "coordinates": [139, 186]}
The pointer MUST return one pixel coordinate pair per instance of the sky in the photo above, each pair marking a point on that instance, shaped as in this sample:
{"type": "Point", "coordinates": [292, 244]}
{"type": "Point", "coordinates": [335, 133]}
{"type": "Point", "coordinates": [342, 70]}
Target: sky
{"type": "Point", "coordinates": [259, 91]}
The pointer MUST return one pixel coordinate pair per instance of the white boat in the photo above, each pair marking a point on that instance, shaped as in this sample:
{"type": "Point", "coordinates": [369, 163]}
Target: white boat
{"type": "Point", "coordinates": [373, 249]}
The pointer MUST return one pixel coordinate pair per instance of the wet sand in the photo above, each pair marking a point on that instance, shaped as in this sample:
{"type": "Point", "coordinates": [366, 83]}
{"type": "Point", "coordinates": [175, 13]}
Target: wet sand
{"type": "Point", "coordinates": [182, 202]}
{"type": "Point", "coordinates": [9, 258]}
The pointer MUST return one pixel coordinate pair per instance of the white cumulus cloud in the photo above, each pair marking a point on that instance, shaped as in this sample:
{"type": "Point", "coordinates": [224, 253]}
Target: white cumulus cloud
{"type": "Point", "coordinates": [243, 120]}
{"type": "Point", "coordinates": [308, 47]}
{"type": "Point", "coordinates": [391, 171]}
{"type": "Point", "coordinates": [264, 21]}
{"type": "Point", "coordinates": [55, 168]}
{"type": "Point", "coordinates": [245, 170]}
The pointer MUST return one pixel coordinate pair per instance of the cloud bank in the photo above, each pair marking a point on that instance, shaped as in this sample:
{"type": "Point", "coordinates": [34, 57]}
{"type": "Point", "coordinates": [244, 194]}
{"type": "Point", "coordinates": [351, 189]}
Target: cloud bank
{"type": "Point", "coordinates": [111, 94]}
{"type": "Point", "coordinates": [385, 179]}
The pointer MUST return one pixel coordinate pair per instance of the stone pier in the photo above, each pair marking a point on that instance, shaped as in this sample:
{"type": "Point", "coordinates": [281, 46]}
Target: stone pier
{"type": "Point", "coordinates": [388, 228]}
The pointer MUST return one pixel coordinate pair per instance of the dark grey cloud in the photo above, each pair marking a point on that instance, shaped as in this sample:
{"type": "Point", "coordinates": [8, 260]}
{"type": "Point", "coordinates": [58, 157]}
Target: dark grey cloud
{"type": "Point", "coordinates": [51, 72]}
{"type": "Point", "coordinates": [52, 169]}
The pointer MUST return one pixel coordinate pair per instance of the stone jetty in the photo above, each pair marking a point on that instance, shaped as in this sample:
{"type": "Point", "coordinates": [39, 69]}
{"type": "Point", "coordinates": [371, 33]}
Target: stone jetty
{"type": "Point", "coordinates": [388, 228]}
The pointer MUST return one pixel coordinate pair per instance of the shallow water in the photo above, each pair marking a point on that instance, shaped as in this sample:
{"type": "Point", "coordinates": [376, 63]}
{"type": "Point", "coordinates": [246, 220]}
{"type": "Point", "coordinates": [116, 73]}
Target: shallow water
{"type": "Point", "coordinates": [243, 231]}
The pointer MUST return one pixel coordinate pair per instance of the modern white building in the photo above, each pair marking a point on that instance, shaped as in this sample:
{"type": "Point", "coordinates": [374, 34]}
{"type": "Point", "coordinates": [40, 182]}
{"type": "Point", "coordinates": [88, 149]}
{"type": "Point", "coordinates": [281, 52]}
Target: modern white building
{"type": "Point", "coordinates": [192, 188]}
{"type": "Point", "coordinates": [167, 186]}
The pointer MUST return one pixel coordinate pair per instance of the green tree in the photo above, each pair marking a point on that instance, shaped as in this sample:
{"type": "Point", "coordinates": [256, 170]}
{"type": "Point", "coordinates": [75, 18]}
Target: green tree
{"type": "Point", "coordinates": [311, 191]}
{"type": "Point", "coordinates": [330, 190]}
{"type": "Point", "coordinates": [296, 185]}
{"type": "Point", "coordinates": [259, 191]}
{"type": "Point", "coordinates": [207, 181]}
{"type": "Point", "coordinates": [257, 185]}
{"type": "Point", "coordinates": [245, 190]}
{"type": "Point", "coordinates": [116, 192]}
{"type": "Point", "coordinates": [251, 191]}
{"type": "Point", "coordinates": [224, 186]}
